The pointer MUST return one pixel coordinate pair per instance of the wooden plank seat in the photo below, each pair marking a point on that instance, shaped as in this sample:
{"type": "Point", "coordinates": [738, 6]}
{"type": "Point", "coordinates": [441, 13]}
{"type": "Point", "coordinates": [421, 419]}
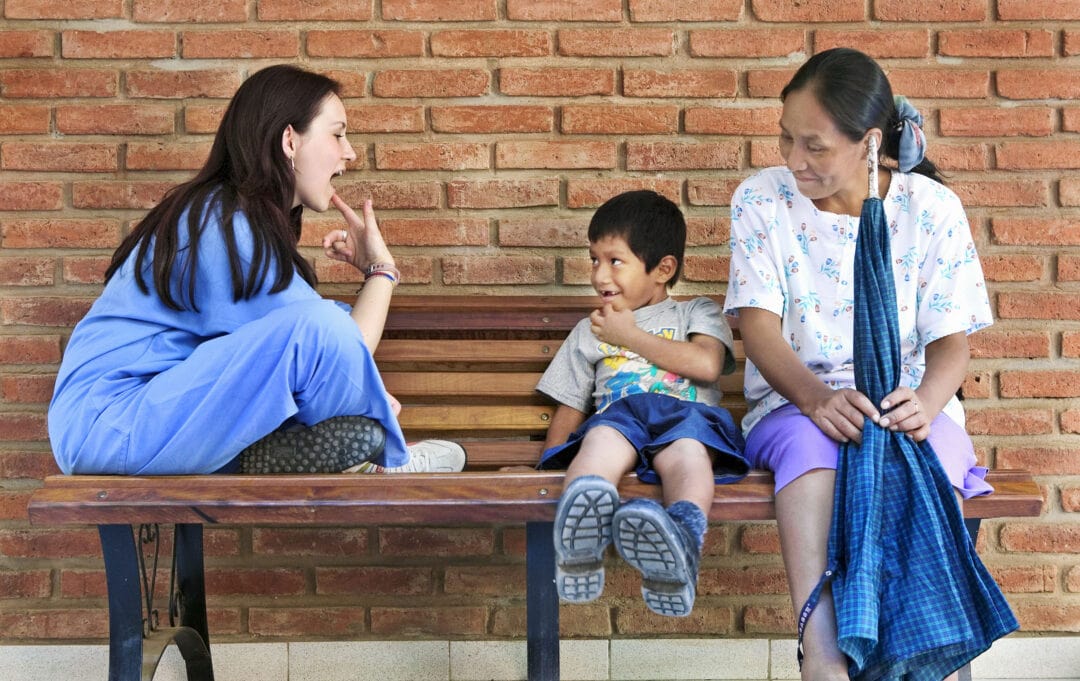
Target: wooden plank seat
{"type": "Point", "coordinates": [464, 368]}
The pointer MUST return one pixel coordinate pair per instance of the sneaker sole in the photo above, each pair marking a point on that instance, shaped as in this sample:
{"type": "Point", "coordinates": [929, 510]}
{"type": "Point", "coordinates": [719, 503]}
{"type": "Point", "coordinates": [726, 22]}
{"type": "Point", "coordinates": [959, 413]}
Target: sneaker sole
{"type": "Point", "coordinates": [330, 446]}
{"type": "Point", "coordinates": [582, 535]}
{"type": "Point", "coordinates": [646, 538]}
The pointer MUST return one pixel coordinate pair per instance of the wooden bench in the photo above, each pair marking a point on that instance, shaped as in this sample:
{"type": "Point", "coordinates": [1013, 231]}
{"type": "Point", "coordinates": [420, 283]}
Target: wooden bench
{"type": "Point", "coordinates": [464, 368]}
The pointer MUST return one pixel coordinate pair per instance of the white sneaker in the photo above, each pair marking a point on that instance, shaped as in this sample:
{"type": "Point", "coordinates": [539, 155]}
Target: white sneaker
{"type": "Point", "coordinates": [426, 456]}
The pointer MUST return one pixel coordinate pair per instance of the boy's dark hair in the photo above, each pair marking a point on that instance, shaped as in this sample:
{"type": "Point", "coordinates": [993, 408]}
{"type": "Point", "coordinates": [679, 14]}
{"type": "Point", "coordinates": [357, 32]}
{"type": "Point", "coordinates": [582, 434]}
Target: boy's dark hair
{"type": "Point", "coordinates": [651, 224]}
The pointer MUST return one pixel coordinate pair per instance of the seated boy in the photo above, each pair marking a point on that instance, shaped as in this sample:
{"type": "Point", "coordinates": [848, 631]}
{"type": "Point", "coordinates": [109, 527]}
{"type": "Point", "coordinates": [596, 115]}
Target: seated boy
{"type": "Point", "coordinates": [645, 367]}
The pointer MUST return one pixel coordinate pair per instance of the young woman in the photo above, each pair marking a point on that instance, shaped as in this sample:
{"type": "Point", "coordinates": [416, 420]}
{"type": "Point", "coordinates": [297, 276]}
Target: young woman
{"type": "Point", "coordinates": [791, 286]}
{"type": "Point", "coordinates": [209, 335]}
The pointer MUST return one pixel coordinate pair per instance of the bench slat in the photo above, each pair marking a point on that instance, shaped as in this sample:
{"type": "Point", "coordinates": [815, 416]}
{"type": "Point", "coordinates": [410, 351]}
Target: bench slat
{"type": "Point", "coordinates": [440, 499]}
{"type": "Point", "coordinates": [393, 350]}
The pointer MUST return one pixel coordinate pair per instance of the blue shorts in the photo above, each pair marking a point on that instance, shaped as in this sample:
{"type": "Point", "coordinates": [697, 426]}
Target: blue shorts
{"type": "Point", "coordinates": [650, 422]}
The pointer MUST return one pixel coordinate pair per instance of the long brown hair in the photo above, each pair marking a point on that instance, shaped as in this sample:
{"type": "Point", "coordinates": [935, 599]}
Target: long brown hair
{"type": "Point", "coordinates": [247, 171]}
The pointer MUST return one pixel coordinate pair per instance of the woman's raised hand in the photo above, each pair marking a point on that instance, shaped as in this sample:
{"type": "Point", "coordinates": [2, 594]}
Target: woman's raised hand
{"type": "Point", "coordinates": [361, 244]}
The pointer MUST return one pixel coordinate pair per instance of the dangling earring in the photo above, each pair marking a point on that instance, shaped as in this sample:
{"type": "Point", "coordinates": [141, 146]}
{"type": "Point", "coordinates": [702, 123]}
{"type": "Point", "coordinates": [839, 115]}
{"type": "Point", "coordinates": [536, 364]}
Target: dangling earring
{"type": "Point", "coordinates": [872, 166]}
{"type": "Point", "coordinates": [292, 163]}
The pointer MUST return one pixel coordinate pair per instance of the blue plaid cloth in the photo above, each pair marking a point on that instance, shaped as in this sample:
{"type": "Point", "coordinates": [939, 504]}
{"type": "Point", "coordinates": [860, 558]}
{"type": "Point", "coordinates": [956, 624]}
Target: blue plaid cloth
{"type": "Point", "coordinates": [913, 600]}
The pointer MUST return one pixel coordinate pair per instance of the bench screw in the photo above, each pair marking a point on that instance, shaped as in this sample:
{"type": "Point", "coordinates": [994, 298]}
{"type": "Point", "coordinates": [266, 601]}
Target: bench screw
{"type": "Point", "coordinates": [545, 417]}
{"type": "Point", "coordinates": [102, 494]}
{"type": "Point", "coordinates": [543, 491]}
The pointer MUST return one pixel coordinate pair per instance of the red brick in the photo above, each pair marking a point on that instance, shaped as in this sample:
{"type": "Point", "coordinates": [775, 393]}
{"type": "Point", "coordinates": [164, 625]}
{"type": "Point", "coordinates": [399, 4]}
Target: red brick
{"type": "Point", "coordinates": [166, 156]}
{"type": "Point", "coordinates": [24, 119]}
{"type": "Point", "coordinates": [22, 44]}
{"type": "Point", "coordinates": [65, 82]}
{"type": "Point", "coordinates": [1022, 193]}
{"type": "Point", "coordinates": [264, 582]}
{"type": "Point", "coordinates": [682, 156]}
{"type": "Point", "coordinates": [433, 83]}
{"type": "Point", "coordinates": [60, 156]}
{"type": "Point", "coordinates": [1040, 460]}
{"type": "Point", "coordinates": [190, 11]}
{"type": "Point", "coordinates": [63, 9]}
{"type": "Point", "coordinates": [810, 11]}
{"type": "Point", "coordinates": [1025, 579]}
{"type": "Point", "coordinates": [619, 120]}
{"type": "Point", "coordinates": [585, 193]}
{"type": "Point", "coordinates": [708, 231]}
{"type": "Point", "coordinates": [1022, 305]}
{"type": "Point", "coordinates": [996, 43]}
{"type": "Point", "coordinates": [182, 84]}
{"type": "Point", "coordinates": [543, 154]}
{"type": "Point", "coordinates": [617, 42]}
{"type": "Point", "coordinates": [706, 268]}
{"type": "Point", "coordinates": [458, 231]}
{"type": "Point", "coordinates": [1042, 537]}
{"type": "Point", "coordinates": [996, 122]}
{"type": "Point", "coordinates": [118, 44]}
{"type": "Point", "coordinates": [85, 270]}
{"type": "Point", "coordinates": [1032, 155]}
{"type": "Point", "coordinates": [705, 192]}
{"type": "Point", "coordinates": [994, 344]}
{"type": "Point", "coordinates": [432, 156]}
{"type": "Point", "coordinates": [297, 622]}
{"type": "Point", "coordinates": [877, 42]}
{"type": "Point", "coordinates": [1023, 10]}
{"type": "Point", "coordinates": [25, 583]}
{"type": "Point", "coordinates": [486, 580]}
{"type": "Point", "coordinates": [744, 44]}
{"type": "Point", "coordinates": [977, 385]}
{"type": "Point", "coordinates": [1070, 503]}
{"type": "Point", "coordinates": [491, 119]}
{"type": "Point", "coordinates": [203, 117]}
{"type": "Point", "coordinates": [933, 83]}
{"type": "Point", "coordinates": [37, 349]}
{"type": "Point", "coordinates": [952, 157]}
{"type": "Point", "coordinates": [1009, 421]}
{"type": "Point", "coordinates": [1013, 384]}
{"type": "Point", "coordinates": [1068, 268]}
{"type": "Point", "coordinates": [442, 622]}
{"type": "Point", "coordinates": [1070, 421]}
{"type": "Point", "coordinates": [685, 10]}
{"type": "Point", "coordinates": [27, 271]}
{"type": "Point", "coordinates": [960, 10]}
{"type": "Point", "coordinates": [242, 44]}
{"type": "Point", "coordinates": [57, 233]}
{"type": "Point", "coordinates": [503, 43]}
{"type": "Point", "coordinates": [767, 83]}
{"type": "Point", "coordinates": [115, 119]}
{"type": "Point", "coordinates": [1069, 192]}
{"type": "Point", "coordinates": [1013, 267]}
{"type": "Point", "coordinates": [52, 543]}
{"type": "Point", "coordinates": [54, 624]}
{"type": "Point", "coordinates": [552, 82]}
{"type": "Point", "coordinates": [352, 82]}
{"type": "Point", "coordinates": [1070, 344]}
{"type": "Point", "coordinates": [395, 581]}
{"type": "Point", "coordinates": [636, 620]}
{"type": "Point", "coordinates": [439, 10]}
{"type": "Point", "coordinates": [118, 194]}
{"type": "Point", "coordinates": [365, 44]}
{"type": "Point", "coordinates": [31, 196]}
{"type": "Point", "coordinates": [502, 193]}
{"type": "Point", "coordinates": [1072, 579]}
{"type": "Point", "coordinates": [27, 465]}
{"type": "Point", "coordinates": [762, 619]}
{"type": "Point", "coordinates": [426, 542]}
{"type": "Point", "coordinates": [564, 10]}
{"type": "Point", "coordinates": [732, 121]}
{"type": "Point", "coordinates": [1038, 84]}
{"type": "Point", "coordinates": [506, 269]}
{"type": "Point", "coordinates": [544, 231]}
{"type": "Point", "coordinates": [43, 311]}
{"type": "Point", "coordinates": [687, 83]}
{"type": "Point", "coordinates": [372, 118]}
{"type": "Point", "coordinates": [27, 389]}
{"type": "Point", "coordinates": [1070, 44]}
{"type": "Point", "coordinates": [392, 194]}
{"type": "Point", "coordinates": [314, 10]}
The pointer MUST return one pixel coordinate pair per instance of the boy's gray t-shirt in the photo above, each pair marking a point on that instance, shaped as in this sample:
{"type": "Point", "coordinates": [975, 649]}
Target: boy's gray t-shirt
{"type": "Point", "coordinates": [588, 374]}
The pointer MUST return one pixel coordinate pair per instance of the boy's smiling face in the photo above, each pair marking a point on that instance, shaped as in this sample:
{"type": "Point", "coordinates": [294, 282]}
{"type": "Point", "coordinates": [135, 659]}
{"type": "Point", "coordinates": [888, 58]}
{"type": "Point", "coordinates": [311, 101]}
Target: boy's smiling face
{"type": "Point", "coordinates": [620, 278]}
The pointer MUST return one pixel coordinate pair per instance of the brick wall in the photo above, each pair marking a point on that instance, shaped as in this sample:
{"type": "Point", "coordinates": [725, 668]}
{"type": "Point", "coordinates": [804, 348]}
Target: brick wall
{"type": "Point", "coordinates": [487, 131]}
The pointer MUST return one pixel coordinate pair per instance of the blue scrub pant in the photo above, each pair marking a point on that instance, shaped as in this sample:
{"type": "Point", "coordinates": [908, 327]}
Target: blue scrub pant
{"type": "Point", "coordinates": [305, 362]}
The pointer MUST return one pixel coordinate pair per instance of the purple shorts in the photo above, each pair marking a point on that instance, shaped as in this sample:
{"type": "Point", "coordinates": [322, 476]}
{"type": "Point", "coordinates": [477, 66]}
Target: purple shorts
{"type": "Point", "coordinates": [789, 444]}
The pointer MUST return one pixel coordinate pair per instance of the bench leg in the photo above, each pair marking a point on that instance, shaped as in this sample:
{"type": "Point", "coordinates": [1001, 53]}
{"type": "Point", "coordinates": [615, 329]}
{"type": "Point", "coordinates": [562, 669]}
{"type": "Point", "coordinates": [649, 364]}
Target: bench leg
{"type": "Point", "coordinates": [541, 602]}
{"type": "Point", "coordinates": [972, 525]}
{"type": "Point", "coordinates": [125, 603]}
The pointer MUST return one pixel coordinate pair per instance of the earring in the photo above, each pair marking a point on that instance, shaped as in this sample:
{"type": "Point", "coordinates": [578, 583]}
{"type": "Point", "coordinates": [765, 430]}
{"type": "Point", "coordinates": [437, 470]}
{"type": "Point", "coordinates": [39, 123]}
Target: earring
{"type": "Point", "coordinates": [292, 163]}
{"type": "Point", "coordinates": [872, 167]}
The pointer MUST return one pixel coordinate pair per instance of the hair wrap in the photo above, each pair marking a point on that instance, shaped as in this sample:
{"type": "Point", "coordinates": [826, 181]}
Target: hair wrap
{"type": "Point", "coordinates": [911, 147]}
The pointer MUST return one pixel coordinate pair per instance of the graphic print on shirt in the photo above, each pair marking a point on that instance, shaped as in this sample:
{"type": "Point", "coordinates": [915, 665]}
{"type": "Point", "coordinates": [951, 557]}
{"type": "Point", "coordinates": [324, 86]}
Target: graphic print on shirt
{"type": "Point", "coordinates": [633, 375]}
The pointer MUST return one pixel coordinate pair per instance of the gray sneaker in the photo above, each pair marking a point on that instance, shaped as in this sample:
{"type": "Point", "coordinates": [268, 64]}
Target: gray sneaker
{"type": "Point", "coordinates": [582, 534]}
{"type": "Point", "coordinates": [653, 542]}
{"type": "Point", "coordinates": [426, 456]}
{"type": "Point", "coordinates": [329, 446]}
